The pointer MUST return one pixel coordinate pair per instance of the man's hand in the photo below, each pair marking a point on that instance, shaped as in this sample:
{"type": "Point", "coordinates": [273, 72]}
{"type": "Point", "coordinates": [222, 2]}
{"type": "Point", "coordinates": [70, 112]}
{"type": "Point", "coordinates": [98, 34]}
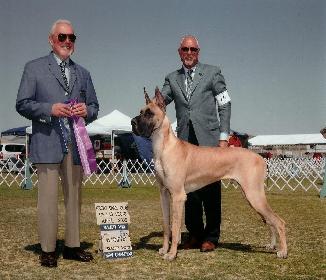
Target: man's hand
{"type": "Point", "coordinates": [61, 110]}
{"type": "Point", "coordinates": [223, 143]}
{"type": "Point", "coordinates": [79, 110]}
{"type": "Point", "coordinates": [65, 110]}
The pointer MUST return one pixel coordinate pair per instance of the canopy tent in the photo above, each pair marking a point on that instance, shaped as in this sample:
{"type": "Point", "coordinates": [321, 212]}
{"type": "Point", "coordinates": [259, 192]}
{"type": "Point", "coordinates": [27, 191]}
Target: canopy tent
{"type": "Point", "coordinates": [291, 139]}
{"type": "Point", "coordinates": [96, 128]}
{"type": "Point", "coordinates": [17, 131]}
{"type": "Point", "coordinates": [111, 122]}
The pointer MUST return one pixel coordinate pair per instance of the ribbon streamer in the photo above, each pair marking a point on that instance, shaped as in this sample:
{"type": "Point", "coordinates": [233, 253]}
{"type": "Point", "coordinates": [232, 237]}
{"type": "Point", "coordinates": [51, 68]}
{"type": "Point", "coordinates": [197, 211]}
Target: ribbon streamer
{"type": "Point", "coordinates": [84, 144]}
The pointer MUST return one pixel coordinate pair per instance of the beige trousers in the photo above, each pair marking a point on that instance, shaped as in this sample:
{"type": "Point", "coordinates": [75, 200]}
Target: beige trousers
{"type": "Point", "coordinates": [47, 206]}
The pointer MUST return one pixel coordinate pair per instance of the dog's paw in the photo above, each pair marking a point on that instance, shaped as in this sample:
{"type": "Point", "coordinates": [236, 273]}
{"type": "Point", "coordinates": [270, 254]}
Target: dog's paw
{"type": "Point", "coordinates": [271, 247]}
{"type": "Point", "coordinates": [169, 256]}
{"type": "Point", "coordinates": [282, 254]}
{"type": "Point", "coordinates": [162, 251]}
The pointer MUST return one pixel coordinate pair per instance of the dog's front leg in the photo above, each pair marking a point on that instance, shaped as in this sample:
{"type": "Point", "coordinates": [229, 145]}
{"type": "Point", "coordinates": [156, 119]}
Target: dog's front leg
{"type": "Point", "coordinates": [178, 200]}
{"type": "Point", "coordinates": [165, 205]}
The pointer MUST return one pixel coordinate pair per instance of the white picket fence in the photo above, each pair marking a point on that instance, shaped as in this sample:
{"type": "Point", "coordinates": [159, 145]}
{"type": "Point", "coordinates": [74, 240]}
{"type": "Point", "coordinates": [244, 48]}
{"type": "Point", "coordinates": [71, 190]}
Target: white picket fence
{"type": "Point", "coordinates": [290, 173]}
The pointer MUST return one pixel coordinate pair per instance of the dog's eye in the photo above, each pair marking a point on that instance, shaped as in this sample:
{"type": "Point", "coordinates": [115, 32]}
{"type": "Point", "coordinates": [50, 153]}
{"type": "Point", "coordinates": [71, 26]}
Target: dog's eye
{"type": "Point", "coordinates": [148, 113]}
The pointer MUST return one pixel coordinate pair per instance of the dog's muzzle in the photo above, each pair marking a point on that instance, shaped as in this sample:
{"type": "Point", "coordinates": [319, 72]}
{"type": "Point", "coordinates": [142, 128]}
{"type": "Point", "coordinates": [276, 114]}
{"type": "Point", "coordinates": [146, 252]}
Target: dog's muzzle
{"type": "Point", "coordinates": [141, 128]}
{"type": "Point", "coordinates": [134, 126]}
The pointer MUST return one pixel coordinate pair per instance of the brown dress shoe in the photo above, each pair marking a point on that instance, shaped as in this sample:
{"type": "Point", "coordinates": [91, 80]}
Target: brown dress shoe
{"type": "Point", "coordinates": [207, 246]}
{"type": "Point", "coordinates": [191, 243]}
{"type": "Point", "coordinates": [48, 259]}
{"type": "Point", "coordinates": [77, 254]}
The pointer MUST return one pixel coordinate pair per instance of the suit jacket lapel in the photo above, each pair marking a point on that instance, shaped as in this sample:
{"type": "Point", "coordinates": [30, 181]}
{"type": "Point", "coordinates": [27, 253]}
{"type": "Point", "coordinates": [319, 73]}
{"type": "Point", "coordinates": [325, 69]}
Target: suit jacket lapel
{"type": "Point", "coordinates": [55, 69]}
{"type": "Point", "coordinates": [73, 75]}
{"type": "Point", "coordinates": [197, 78]}
{"type": "Point", "coordinates": [181, 81]}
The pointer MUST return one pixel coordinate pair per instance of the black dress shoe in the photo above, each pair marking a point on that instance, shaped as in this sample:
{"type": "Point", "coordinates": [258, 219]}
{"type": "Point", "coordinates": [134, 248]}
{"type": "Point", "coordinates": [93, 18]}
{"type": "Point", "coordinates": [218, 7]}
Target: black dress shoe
{"type": "Point", "coordinates": [48, 259]}
{"type": "Point", "coordinates": [77, 254]}
{"type": "Point", "coordinates": [191, 243]}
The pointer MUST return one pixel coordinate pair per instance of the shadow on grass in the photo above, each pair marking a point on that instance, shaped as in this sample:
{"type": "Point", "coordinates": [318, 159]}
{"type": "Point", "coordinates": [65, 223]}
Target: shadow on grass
{"type": "Point", "coordinates": [244, 248]}
{"type": "Point", "coordinates": [36, 248]}
{"type": "Point", "coordinates": [144, 244]}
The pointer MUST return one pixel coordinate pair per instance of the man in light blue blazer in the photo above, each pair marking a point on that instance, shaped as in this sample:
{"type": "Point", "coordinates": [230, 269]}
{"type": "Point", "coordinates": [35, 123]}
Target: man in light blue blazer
{"type": "Point", "coordinates": [47, 84]}
{"type": "Point", "coordinates": [203, 109]}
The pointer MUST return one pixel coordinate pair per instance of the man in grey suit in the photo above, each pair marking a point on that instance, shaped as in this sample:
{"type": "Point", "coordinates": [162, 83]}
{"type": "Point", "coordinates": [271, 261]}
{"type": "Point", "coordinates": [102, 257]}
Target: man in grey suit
{"type": "Point", "coordinates": [203, 109]}
{"type": "Point", "coordinates": [47, 84]}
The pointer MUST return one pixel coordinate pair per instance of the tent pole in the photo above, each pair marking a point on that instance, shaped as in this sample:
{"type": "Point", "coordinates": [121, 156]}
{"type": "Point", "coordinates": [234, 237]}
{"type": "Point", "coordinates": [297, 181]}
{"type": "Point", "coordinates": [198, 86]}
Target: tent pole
{"type": "Point", "coordinates": [112, 146]}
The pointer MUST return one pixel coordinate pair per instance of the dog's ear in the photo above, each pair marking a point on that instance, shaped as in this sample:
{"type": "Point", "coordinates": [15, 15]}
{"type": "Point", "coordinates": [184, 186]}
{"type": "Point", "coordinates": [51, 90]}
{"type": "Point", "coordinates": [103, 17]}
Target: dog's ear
{"type": "Point", "coordinates": [159, 99]}
{"type": "Point", "coordinates": [147, 99]}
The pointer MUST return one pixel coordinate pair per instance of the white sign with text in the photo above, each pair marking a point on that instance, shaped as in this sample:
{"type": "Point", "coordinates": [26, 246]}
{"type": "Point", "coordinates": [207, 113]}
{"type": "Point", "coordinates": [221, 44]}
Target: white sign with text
{"type": "Point", "coordinates": [113, 219]}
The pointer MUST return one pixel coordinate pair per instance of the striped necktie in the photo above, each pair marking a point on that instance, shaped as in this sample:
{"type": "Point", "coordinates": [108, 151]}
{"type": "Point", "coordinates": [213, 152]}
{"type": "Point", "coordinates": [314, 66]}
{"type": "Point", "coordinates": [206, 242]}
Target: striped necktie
{"type": "Point", "coordinates": [64, 123]}
{"type": "Point", "coordinates": [63, 65]}
{"type": "Point", "coordinates": [190, 83]}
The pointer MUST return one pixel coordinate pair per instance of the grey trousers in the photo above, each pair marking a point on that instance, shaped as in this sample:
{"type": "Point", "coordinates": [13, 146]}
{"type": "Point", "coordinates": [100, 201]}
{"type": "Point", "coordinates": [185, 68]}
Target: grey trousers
{"type": "Point", "coordinates": [47, 207]}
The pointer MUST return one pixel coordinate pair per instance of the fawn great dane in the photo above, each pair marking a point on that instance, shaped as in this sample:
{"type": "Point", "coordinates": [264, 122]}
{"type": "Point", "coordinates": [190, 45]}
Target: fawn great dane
{"type": "Point", "coordinates": [182, 168]}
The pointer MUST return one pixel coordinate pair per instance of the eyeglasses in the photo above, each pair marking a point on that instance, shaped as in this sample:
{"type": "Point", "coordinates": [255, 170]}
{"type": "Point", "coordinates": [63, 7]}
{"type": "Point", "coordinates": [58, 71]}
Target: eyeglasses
{"type": "Point", "coordinates": [62, 37]}
{"type": "Point", "coordinates": [192, 49]}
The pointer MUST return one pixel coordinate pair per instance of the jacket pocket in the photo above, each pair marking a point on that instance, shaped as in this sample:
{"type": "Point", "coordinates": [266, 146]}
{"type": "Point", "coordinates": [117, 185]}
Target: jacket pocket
{"type": "Point", "coordinates": [213, 125]}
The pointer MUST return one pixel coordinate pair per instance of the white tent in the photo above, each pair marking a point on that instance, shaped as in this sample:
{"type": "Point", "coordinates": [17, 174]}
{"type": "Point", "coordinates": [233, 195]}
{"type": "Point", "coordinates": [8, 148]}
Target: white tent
{"type": "Point", "coordinates": [96, 128]}
{"type": "Point", "coordinates": [291, 139]}
{"type": "Point", "coordinates": [111, 122]}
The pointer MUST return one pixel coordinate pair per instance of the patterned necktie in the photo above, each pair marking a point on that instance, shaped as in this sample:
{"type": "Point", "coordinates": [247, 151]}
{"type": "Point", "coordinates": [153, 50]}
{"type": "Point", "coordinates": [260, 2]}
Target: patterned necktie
{"type": "Point", "coordinates": [63, 73]}
{"type": "Point", "coordinates": [189, 83]}
{"type": "Point", "coordinates": [64, 123]}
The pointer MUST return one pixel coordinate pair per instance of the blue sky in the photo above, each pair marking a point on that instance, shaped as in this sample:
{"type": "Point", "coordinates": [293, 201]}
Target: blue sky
{"type": "Point", "coordinates": [271, 52]}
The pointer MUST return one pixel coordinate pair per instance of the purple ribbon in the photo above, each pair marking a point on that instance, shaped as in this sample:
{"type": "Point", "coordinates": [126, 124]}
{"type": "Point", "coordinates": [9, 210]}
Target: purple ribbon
{"type": "Point", "coordinates": [84, 144]}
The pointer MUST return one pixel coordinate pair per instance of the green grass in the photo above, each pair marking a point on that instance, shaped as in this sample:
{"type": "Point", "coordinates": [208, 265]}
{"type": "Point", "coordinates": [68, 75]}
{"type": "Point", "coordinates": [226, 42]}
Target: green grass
{"type": "Point", "coordinates": [240, 255]}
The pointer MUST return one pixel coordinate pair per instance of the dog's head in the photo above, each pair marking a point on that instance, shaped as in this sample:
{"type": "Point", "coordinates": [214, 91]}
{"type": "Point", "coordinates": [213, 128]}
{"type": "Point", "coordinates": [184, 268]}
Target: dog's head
{"type": "Point", "coordinates": [151, 116]}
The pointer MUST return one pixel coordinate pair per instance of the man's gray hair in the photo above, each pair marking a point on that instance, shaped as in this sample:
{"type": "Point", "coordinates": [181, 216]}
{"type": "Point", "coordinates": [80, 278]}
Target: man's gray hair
{"type": "Point", "coordinates": [65, 21]}
{"type": "Point", "coordinates": [189, 36]}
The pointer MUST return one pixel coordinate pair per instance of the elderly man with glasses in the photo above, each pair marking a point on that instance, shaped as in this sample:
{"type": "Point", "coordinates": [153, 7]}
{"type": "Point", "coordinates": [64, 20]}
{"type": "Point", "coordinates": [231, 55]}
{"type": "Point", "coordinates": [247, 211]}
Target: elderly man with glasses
{"type": "Point", "coordinates": [47, 85]}
{"type": "Point", "coordinates": [203, 109]}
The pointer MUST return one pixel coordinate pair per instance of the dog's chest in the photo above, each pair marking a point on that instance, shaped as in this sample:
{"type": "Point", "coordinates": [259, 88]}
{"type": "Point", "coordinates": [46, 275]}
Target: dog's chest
{"type": "Point", "coordinates": [159, 169]}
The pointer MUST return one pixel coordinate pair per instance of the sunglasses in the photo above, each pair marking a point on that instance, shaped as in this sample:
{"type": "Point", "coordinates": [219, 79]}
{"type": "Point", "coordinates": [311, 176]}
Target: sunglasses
{"type": "Point", "coordinates": [192, 49]}
{"type": "Point", "coordinates": [63, 37]}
